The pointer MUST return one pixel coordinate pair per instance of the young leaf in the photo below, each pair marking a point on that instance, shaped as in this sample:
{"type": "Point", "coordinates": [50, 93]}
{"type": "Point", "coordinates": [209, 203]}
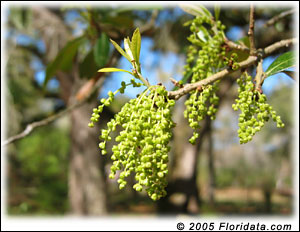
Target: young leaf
{"type": "Point", "coordinates": [206, 11]}
{"type": "Point", "coordinates": [136, 45]}
{"type": "Point", "coordinates": [114, 70]}
{"type": "Point", "coordinates": [127, 46]}
{"type": "Point", "coordinates": [196, 10]}
{"type": "Point", "coordinates": [120, 50]}
{"type": "Point", "coordinates": [217, 11]}
{"type": "Point", "coordinates": [101, 50]}
{"type": "Point", "coordinates": [282, 63]}
{"type": "Point", "coordinates": [64, 60]}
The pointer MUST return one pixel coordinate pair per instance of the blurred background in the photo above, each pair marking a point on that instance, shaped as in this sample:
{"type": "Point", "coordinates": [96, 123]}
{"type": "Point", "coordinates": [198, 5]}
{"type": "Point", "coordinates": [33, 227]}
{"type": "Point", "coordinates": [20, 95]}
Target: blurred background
{"type": "Point", "coordinates": [52, 58]}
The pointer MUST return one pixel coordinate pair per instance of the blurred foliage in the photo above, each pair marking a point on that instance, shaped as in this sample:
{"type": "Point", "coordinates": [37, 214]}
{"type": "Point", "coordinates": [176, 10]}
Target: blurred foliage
{"type": "Point", "coordinates": [38, 176]}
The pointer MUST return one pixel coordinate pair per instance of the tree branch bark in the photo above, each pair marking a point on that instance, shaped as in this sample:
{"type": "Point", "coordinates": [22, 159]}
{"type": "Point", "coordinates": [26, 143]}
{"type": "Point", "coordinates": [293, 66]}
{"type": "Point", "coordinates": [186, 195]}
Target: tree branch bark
{"type": "Point", "coordinates": [276, 18]}
{"type": "Point", "coordinates": [251, 31]}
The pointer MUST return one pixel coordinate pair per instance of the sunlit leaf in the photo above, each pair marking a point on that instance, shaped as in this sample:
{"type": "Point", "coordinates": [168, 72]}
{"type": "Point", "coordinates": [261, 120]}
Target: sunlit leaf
{"type": "Point", "coordinates": [283, 62]}
{"type": "Point", "coordinates": [136, 45]}
{"type": "Point", "coordinates": [127, 47]}
{"type": "Point", "coordinates": [196, 10]}
{"type": "Point", "coordinates": [113, 70]}
{"type": "Point", "coordinates": [120, 50]}
{"type": "Point", "coordinates": [205, 10]}
{"type": "Point", "coordinates": [217, 11]}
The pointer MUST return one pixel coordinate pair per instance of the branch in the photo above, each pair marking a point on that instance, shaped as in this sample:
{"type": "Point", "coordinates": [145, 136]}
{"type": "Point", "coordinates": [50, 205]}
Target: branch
{"type": "Point", "coordinates": [30, 127]}
{"type": "Point", "coordinates": [233, 45]}
{"type": "Point", "coordinates": [82, 96]}
{"type": "Point", "coordinates": [276, 18]}
{"type": "Point", "coordinates": [260, 76]}
{"type": "Point", "coordinates": [251, 31]}
{"type": "Point", "coordinates": [219, 75]}
{"type": "Point", "coordinates": [151, 24]}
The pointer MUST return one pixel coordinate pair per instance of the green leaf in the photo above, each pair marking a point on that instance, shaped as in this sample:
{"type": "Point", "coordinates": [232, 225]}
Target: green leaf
{"type": "Point", "coordinates": [285, 61]}
{"type": "Point", "coordinates": [120, 50]}
{"type": "Point", "coordinates": [127, 47]}
{"type": "Point", "coordinates": [101, 50]}
{"type": "Point", "coordinates": [114, 70]}
{"type": "Point", "coordinates": [205, 11]}
{"type": "Point", "coordinates": [196, 10]}
{"type": "Point", "coordinates": [136, 45]}
{"type": "Point", "coordinates": [217, 11]}
{"type": "Point", "coordinates": [64, 60]}
{"type": "Point", "coordinates": [88, 67]}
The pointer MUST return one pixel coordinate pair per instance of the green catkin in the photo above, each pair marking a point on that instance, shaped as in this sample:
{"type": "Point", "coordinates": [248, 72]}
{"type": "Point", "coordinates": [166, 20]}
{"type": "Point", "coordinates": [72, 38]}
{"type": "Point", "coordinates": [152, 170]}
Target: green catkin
{"type": "Point", "coordinates": [143, 143]}
{"type": "Point", "coordinates": [204, 58]}
{"type": "Point", "coordinates": [255, 110]}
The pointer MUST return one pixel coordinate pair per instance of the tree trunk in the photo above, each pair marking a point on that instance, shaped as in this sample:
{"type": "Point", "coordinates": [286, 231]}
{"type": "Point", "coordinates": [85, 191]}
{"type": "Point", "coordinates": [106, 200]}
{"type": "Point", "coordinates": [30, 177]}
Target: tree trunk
{"type": "Point", "coordinates": [86, 183]}
{"type": "Point", "coordinates": [211, 167]}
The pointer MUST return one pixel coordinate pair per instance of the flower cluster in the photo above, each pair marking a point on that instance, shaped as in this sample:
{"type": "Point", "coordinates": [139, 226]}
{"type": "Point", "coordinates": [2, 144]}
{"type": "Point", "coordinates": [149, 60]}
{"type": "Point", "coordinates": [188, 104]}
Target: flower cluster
{"type": "Point", "coordinates": [255, 110]}
{"type": "Point", "coordinates": [143, 144]}
{"type": "Point", "coordinates": [205, 57]}
{"type": "Point", "coordinates": [196, 108]}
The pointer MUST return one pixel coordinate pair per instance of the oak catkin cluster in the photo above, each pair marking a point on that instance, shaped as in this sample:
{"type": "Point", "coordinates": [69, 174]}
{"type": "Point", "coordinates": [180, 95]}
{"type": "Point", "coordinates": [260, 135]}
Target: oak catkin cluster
{"type": "Point", "coordinates": [255, 110]}
{"type": "Point", "coordinates": [143, 143]}
{"type": "Point", "coordinates": [205, 57]}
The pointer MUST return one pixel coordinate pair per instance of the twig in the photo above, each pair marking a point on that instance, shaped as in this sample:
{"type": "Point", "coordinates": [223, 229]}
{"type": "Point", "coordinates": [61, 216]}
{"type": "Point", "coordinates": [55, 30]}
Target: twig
{"type": "Point", "coordinates": [251, 31]}
{"type": "Point", "coordinates": [233, 45]}
{"type": "Point", "coordinates": [82, 96]}
{"type": "Point", "coordinates": [276, 18]}
{"type": "Point", "coordinates": [151, 23]}
{"type": "Point", "coordinates": [219, 75]}
{"type": "Point", "coordinates": [260, 76]}
{"type": "Point", "coordinates": [176, 83]}
{"type": "Point", "coordinates": [30, 127]}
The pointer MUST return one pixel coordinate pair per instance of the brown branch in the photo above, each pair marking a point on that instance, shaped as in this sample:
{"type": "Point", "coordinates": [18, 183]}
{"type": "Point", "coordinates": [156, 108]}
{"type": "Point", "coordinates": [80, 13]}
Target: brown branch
{"type": "Point", "coordinates": [276, 18]}
{"type": "Point", "coordinates": [30, 127]}
{"type": "Point", "coordinates": [251, 31]}
{"type": "Point", "coordinates": [150, 24]}
{"type": "Point", "coordinates": [219, 75]}
{"type": "Point", "coordinates": [260, 75]}
{"type": "Point", "coordinates": [233, 45]}
{"type": "Point", "coordinates": [82, 96]}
